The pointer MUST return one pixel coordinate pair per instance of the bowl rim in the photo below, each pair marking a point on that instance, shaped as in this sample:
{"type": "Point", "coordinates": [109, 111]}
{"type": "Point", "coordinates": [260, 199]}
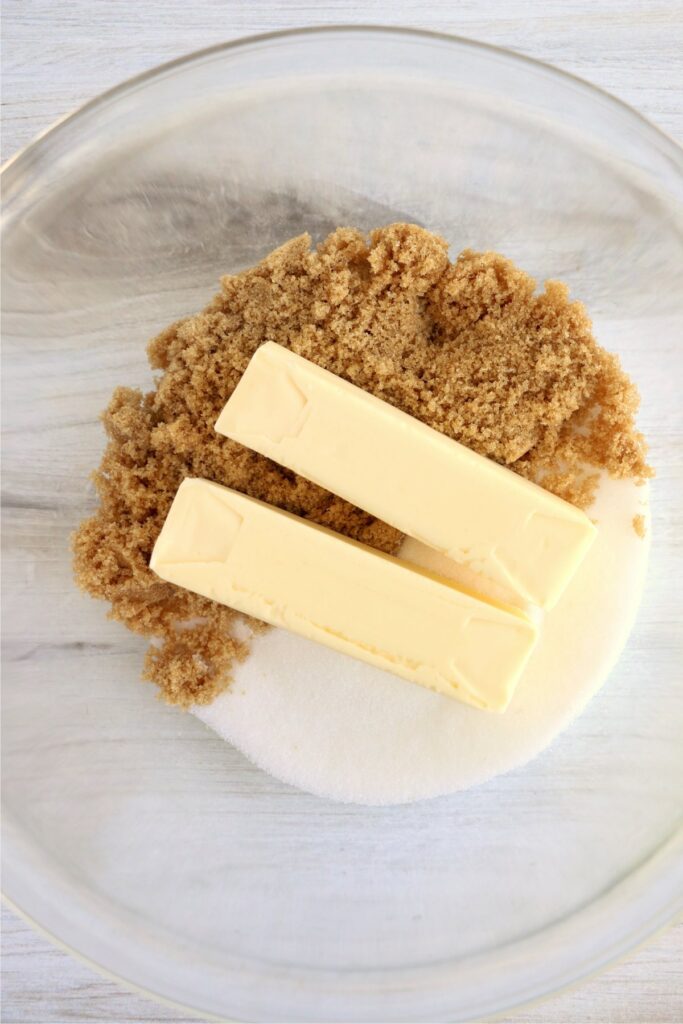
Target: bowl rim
{"type": "Point", "coordinates": [322, 30]}
{"type": "Point", "coordinates": [573, 976]}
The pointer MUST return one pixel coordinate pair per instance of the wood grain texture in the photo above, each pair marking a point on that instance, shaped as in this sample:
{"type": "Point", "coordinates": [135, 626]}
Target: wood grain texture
{"type": "Point", "coordinates": [59, 53]}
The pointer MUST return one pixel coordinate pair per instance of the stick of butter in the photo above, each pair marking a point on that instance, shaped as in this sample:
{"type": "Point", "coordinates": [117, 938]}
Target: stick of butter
{"type": "Point", "coordinates": [295, 574]}
{"type": "Point", "coordinates": [414, 478]}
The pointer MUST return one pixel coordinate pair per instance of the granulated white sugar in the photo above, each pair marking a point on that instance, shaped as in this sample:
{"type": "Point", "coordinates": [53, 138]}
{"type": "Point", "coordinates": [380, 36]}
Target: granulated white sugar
{"type": "Point", "coordinates": [340, 729]}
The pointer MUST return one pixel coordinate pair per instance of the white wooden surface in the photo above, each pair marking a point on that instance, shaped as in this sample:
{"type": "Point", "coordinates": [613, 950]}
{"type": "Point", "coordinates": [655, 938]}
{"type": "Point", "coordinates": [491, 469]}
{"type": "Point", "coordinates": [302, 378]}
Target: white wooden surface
{"type": "Point", "coordinates": [59, 53]}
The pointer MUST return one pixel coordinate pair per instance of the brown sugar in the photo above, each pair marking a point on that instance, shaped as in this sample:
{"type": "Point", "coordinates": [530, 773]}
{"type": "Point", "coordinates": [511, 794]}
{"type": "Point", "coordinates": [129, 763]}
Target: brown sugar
{"type": "Point", "coordinates": [638, 523]}
{"type": "Point", "coordinates": [467, 347]}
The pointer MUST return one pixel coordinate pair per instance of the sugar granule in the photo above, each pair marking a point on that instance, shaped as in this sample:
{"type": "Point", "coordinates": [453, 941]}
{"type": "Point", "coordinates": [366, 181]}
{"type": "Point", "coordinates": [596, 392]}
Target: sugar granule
{"type": "Point", "coordinates": [638, 523]}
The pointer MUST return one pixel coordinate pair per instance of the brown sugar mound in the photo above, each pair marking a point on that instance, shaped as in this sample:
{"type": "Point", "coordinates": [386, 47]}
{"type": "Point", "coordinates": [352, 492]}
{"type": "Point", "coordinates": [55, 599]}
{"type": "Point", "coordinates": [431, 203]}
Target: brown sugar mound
{"type": "Point", "coordinates": [467, 347]}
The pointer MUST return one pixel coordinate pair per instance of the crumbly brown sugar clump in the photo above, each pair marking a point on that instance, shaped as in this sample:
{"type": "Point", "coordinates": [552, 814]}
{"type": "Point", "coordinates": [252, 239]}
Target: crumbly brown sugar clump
{"type": "Point", "coordinates": [638, 523]}
{"type": "Point", "coordinates": [468, 347]}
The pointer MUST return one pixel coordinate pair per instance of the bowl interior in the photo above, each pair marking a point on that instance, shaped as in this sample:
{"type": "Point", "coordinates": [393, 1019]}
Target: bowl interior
{"type": "Point", "coordinates": [134, 834]}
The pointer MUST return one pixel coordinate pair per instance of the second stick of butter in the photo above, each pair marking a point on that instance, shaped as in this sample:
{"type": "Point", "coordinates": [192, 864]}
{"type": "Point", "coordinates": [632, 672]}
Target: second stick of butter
{"type": "Point", "coordinates": [293, 574]}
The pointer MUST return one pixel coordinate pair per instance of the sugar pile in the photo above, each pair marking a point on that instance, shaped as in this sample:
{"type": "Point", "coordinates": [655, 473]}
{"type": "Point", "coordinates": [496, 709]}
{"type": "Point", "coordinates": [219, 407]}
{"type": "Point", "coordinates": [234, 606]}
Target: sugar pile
{"type": "Point", "coordinates": [469, 347]}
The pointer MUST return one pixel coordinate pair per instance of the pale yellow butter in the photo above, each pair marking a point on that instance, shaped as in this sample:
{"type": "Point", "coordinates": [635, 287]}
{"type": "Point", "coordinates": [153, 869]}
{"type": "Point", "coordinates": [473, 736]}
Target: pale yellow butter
{"type": "Point", "coordinates": [291, 573]}
{"type": "Point", "coordinates": [398, 469]}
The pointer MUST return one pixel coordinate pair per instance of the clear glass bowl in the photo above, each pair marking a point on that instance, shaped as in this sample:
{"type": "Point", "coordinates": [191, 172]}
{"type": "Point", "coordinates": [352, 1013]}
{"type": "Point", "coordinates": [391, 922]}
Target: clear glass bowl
{"type": "Point", "coordinates": [132, 834]}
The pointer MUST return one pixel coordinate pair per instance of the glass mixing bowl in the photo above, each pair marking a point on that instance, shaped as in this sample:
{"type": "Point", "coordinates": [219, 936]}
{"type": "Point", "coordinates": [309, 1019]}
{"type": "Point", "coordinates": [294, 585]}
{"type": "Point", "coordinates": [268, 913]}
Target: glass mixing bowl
{"type": "Point", "coordinates": [132, 834]}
